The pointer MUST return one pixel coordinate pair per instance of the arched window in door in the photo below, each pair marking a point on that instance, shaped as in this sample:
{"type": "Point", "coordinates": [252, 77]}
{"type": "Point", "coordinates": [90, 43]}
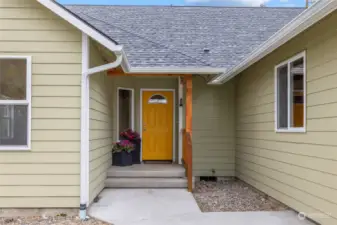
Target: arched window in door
{"type": "Point", "coordinates": [157, 99]}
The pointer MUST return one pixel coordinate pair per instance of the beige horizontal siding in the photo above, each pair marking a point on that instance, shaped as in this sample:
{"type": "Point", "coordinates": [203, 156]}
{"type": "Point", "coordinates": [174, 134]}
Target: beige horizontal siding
{"type": "Point", "coordinates": [58, 69]}
{"type": "Point", "coordinates": [34, 25]}
{"type": "Point", "coordinates": [17, 3]}
{"type": "Point", "coordinates": [62, 157]}
{"type": "Point", "coordinates": [213, 129]}
{"type": "Point", "coordinates": [96, 163]}
{"type": "Point", "coordinates": [56, 124]}
{"type": "Point", "coordinates": [311, 150]}
{"type": "Point", "coordinates": [55, 113]}
{"type": "Point", "coordinates": [325, 196]}
{"type": "Point", "coordinates": [100, 126]}
{"type": "Point", "coordinates": [52, 57]}
{"type": "Point", "coordinates": [95, 144]}
{"type": "Point", "coordinates": [55, 102]}
{"type": "Point", "coordinates": [317, 177]}
{"type": "Point", "coordinates": [39, 169]}
{"type": "Point", "coordinates": [272, 188]}
{"type": "Point", "coordinates": [56, 91]}
{"type": "Point", "coordinates": [39, 180]}
{"type": "Point", "coordinates": [228, 172]}
{"type": "Point", "coordinates": [40, 47]}
{"type": "Point", "coordinates": [298, 169]}
{"type": "Point", "coordinates": [55, 135]}
{"type": "Point", "coordinates": [56, 146]}
{"type": "Point", "coordinates": [53, 191]}
{"type": "Point", "coordinates": [49, 35]}
{"type": "Point", "coordinates": [34, 12]}
{"type": "Point", "coordinates": [40, 202]}
{"type": "Point", "coordinates": [48, 174]}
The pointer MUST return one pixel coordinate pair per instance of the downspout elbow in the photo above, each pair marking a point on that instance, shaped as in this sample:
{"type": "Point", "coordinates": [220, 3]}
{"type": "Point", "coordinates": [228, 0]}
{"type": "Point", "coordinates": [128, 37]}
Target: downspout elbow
{"type": "Point", "coordinates": [105, 67]}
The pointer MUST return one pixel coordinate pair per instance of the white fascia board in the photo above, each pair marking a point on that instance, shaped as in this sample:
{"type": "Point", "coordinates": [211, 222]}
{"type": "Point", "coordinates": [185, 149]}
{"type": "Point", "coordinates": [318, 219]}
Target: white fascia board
{"type": "Point", "coordinates": [78, 23]}
{"type": "Point", "coordinates": [302, 22]}
{"type": "Point", "coordinates": [175, 70]}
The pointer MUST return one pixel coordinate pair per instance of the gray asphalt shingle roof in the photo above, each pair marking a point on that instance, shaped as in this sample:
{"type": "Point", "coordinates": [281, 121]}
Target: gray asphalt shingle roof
{"type": "Point", "coordinates": [158, 36]}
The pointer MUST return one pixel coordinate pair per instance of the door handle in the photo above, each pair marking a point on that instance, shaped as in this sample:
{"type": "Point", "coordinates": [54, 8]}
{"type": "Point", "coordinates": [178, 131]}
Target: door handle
{"type": "Point", "coordinates": [144, 128]}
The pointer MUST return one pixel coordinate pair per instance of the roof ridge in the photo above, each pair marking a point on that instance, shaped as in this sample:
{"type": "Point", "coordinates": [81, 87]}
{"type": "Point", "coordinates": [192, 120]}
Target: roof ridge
{"type": "Point", "coordinates": [147, 39]}
{"type": "Point", "coordinates": [189, 6]}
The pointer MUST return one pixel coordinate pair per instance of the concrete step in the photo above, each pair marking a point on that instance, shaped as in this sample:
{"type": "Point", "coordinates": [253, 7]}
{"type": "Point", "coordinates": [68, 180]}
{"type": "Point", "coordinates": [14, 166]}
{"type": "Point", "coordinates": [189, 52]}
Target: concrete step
{"type": "Point", "coordinates": [132, 182]}
{"type": "Point", "coordinates": [148, 170]}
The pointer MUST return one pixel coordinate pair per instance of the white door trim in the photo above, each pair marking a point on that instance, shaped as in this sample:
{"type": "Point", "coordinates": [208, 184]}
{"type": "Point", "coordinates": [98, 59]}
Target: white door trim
{"type": "Point", "coordinates": [132, 109]}
{"type": "Point", "coordinates": [174, 119]}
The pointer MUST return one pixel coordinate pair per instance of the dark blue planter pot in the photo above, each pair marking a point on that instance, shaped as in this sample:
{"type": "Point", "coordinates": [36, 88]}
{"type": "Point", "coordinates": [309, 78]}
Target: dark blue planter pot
{"type": "Point", "coordinates": [122, 158]}
{"type": "Point", "coordinates": [136, 152]}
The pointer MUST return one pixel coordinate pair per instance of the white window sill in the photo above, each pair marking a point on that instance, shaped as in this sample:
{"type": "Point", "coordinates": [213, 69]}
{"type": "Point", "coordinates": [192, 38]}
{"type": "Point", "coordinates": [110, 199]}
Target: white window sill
{"type": "Point", "coordinates": [291, 130]}
{"type": "Point", "coordinates": [14, 148]}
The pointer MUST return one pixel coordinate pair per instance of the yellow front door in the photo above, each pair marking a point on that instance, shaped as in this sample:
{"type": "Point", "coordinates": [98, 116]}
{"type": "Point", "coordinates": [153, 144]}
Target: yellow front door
{"type": "Point", "coordinates": [157, 125]}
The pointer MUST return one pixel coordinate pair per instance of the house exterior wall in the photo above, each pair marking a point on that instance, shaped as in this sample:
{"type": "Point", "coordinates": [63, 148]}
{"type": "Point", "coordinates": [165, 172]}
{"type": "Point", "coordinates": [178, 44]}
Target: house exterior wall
{"type": "Point", "coordinates": [213, 129]}
{"type": "Point", "coordinates": [299, 169]}
{"type": "Point", "coordinates": [101, 135]}
{"type": "Point", "coordinates": [48, 175]}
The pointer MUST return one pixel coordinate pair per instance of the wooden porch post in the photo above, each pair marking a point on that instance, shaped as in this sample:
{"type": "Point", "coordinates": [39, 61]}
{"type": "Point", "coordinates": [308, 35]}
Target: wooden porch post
{"type": "Point", "coordinates": [188, 82]}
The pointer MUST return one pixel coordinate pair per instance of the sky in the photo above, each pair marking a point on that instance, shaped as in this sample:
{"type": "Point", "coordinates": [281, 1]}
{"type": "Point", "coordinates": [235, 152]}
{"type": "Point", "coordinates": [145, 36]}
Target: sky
{"type": "Point", "coordinates": [270, 3]}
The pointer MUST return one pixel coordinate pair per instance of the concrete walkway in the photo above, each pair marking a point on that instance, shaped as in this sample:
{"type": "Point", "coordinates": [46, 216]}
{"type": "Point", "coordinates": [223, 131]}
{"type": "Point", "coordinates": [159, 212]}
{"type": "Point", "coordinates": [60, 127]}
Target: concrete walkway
{"type": "Point", "coordinates": [175, 207]}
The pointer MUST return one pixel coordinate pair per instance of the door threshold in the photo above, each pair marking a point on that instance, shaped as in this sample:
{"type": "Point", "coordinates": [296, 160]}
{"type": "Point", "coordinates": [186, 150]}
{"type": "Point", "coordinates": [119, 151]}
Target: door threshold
{"type": "Point", "coordinates": [158, 162]}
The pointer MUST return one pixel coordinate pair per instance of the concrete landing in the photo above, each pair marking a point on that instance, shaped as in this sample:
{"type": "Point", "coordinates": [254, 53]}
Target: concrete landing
{"type": "Point", "coordinates": [175, 207]}
{"type": "Point", "coordinates": [128, 206]}
{"type": "Point", "coordinates": [228, 218]}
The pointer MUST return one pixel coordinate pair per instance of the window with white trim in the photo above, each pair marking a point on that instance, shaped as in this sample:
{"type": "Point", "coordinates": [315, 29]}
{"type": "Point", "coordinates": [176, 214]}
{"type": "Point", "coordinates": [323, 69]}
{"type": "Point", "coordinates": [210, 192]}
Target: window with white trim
{"type": "Point", "coordinates": [290, 94]}
{"type": "Point", "coordinates": [15, 102]}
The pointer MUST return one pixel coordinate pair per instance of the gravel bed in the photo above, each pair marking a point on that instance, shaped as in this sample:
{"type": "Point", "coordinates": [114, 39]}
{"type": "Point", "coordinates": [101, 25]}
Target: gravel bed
{"type": "Point", "coordinates": [233, 196]}
{"type": "Point", "coordinates": [56, 220]}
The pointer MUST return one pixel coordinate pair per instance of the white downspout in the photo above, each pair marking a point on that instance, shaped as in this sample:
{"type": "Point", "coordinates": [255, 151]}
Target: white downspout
{"type": "Point", "coordinates": [85, 118]}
